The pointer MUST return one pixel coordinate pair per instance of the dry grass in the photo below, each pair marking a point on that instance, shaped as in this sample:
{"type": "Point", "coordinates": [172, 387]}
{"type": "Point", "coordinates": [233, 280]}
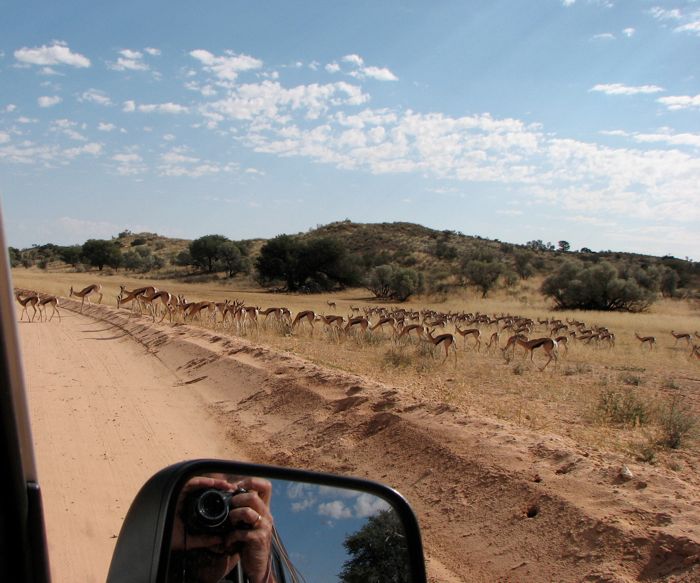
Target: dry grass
{"type": "Point", "coordinates": [564, 399]}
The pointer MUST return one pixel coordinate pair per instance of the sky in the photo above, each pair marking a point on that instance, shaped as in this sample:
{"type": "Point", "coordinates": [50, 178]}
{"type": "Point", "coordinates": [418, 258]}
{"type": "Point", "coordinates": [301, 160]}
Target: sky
{"type": "Point", "coordinates": [550, 120]}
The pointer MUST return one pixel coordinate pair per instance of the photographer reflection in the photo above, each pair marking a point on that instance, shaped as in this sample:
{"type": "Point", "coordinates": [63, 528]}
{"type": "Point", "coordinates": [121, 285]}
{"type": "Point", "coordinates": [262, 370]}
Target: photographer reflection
{"type": "Point", "coordinates": [224, 531]}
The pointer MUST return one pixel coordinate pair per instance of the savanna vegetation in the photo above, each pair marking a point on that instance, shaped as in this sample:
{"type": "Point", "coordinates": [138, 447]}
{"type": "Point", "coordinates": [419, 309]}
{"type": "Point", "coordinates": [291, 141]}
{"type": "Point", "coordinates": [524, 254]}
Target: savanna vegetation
{"type": "Point", "coordinates": [626, 396]}
{"type": "Point", "coordinates": [394, 261]}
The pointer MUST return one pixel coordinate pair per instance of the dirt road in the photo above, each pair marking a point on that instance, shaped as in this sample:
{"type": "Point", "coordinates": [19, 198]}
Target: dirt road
{"type": "Point", "coordinates": [113, 400]}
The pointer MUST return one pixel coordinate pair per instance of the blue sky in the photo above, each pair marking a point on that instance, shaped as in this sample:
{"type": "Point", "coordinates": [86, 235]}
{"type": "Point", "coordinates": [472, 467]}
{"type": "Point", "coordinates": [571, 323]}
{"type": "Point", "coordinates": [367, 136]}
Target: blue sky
{"type": "Point", "coordinates": [549, 119]}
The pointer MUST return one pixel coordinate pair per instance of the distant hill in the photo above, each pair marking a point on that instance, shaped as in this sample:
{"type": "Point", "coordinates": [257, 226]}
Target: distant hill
{"type": "Point", "coordinates": [438, 255]}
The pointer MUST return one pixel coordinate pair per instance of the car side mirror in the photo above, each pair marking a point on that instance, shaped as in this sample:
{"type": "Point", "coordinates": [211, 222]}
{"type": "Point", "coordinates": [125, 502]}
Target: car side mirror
{"type": "Point", "coordinates": [211, 520]}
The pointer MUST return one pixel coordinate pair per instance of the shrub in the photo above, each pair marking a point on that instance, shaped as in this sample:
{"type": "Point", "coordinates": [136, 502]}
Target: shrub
{"type": "Point", "coordinates": [632, 380]}
{"type": "Point", "coordinates": [597, 287]}
{"type": "Point", "coordinates": [482, 274]}
{"type": "Point", "coordinates": [677, 422]}
{"type": "Point", "coordinates": [395, 283]}
{"type": "Point", "coordinates": [622, 407]}
{"type": "Point", "coordinates": [397, 358]}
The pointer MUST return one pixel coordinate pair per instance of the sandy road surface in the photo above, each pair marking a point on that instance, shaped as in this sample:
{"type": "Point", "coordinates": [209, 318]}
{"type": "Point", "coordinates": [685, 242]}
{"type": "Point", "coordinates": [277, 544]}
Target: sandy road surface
{"type": "Point", "coordinates": [115, 399]}
{"type": "Point", "coordinates": [106, 415]}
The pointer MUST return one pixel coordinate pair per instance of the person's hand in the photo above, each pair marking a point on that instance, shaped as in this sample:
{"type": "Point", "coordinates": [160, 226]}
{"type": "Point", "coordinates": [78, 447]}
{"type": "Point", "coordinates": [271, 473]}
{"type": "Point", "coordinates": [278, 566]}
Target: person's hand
{"type": "Point", "coordinates": [253, 509]}
{"type": "Point", "coordinates": [211, 556]}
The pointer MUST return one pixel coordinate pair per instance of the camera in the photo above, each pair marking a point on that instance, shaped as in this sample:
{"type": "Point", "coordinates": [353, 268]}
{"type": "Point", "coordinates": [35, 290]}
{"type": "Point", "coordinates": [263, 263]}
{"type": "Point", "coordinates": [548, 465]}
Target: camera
{"type": "Point", "coordinates": [206, 510]}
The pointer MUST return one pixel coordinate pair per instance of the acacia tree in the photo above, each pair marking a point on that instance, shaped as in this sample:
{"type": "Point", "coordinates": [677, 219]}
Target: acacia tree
{"type": "Point", "coordinates": [395, 283]}
{"type": "Point", "coordinates": [205, 250]}
{"type": "Point", "coordinates": [482, 274]}
{"type": "Point", "coordinates": [379, 553]}
{"type": "Point", "coordinates": [315, 265]}
{"type": "Point", "coordinates": [100, 252]}
{"type": "Point", "coordinates": [598, 287]}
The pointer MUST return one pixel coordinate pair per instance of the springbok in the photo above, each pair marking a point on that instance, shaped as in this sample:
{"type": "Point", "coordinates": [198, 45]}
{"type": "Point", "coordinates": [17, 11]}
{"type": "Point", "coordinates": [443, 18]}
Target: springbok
{"type": "Point", "coordinates": [305, 316]}
{"type": "Point", "coordinates": [475, 332]}
{"type": "Point", "coordinates": [549, 345]}
{"type": "Point", "coordinates": [681, 336]}
{"type": "Point", "coordinates": [31, 300]}
{"type": "Point", "coordinates": [48, 300]}
{"type": "Point", "coordinates": [85, 293]}
{"type": "Point", "coordinates": [447, 341]}
{"type": "Point", "coordinates": [650, 340]}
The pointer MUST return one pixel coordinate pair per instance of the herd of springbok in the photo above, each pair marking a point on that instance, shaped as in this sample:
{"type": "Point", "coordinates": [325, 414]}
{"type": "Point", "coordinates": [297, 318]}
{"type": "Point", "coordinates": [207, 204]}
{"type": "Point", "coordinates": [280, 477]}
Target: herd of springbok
{"type": "Point", "coordinates": [400, 323]}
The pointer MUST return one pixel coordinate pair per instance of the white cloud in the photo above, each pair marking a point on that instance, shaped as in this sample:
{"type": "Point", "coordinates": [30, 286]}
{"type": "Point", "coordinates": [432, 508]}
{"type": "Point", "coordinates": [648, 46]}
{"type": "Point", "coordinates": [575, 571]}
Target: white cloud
{"type": "Point", "coordinates": [226, 67]}
{"type": "Point", "coordinates": [665, 14]}
{"type": "Point", "coordinates": [368, 505]}
{"type": "Point", "coordinates": [270, 102]}
{"type": "Point", "coordinates": [354, 59]}
{"type": "Point", "coordinates": [360, 71]}
{"type": "Point", "coordinates": [683, 139]}
{"type": "Point", "coordinates": [129, 61]}
{"type": "Point", "coordinates": [106, 127]}
{"type": "Point", "coordinates": [206, 90]}
{"type": "Point", "coordinates": [379, 74]}
{"type": "Point", "coordinates": [129, 163]}
{"type": "Point", "coordinates": [686, 23]}
{"type": "Point", "coordinates": [4, 137]}
{"type": "Point", "coordinates": [95, 96]}
{"type": "Point", "coordinates": [172, 108]}
{"type": "Point", "coordinates": [68, 129]}
{"type": "Point", "coordinates": [177, 162]}
{"type": "Point", "coordinates": [692, 27]}
{"type": "Point", "coordinates": [603, 36]}
{"type": "Point", "coordinates": [620, 89]}
{"type": "Point", "coordinates": [336, 510]}
{"type": "Point", "coordinates": [55, 54]}
{"type": "Point", "coordinates": [629, 32]}
{"type": "Point", "coordinates": [677, 102]}
{"type": "Point", "coordinates": [48, 71]}
{"type": "Point", "coordinates": [49, 101]}
{"type": "Point", "coordinates": [568, 2]}
{"type": "Point", "coordinates": [153, 52]}
{"type": "Point", "coordinates": [10, 107]}
{"type": "Point", "coordinates": [169, 107]}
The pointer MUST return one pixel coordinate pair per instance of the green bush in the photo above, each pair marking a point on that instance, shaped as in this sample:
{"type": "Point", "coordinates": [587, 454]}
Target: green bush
{"type": "Point", "coordinates": [622, 407]}
{"type": "Point", "coordinates": [677, 422]}
{"type": "Point", "coordinates": [575, 286]}
{"type": "Point", "coordinates": [395, 283]}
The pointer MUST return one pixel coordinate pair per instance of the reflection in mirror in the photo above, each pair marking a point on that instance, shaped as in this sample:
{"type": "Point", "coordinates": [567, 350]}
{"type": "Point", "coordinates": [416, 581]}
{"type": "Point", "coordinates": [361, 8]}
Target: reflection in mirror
{"type": "Point", "coordinates": [242, 528]}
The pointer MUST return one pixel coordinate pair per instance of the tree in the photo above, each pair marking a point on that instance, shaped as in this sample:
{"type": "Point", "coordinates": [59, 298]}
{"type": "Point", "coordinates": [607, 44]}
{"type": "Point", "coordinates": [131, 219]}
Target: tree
{"type": "Point", "coordinates": [15, 256]}
{"type": "Point", "coordinates": [231, 257]}
{"type": "Point", "coordinates": [205, 250]}
{"type": "Point", "coordinates": [278, 261]}
{"type": "Point", "coordinates": [669, 282]}
{"type": "Point", "coordinates": [598, 287]}
{"type": "Point", "coordinates": [71, 254]}
{"type": "Point", "coordinates": [99, 252]}
{"type": "Point", "coordinates": [564, 246]}
{"type": "Point", "coordinates": [394, 283]}
{"type": "Point", "coordinates": [379, 553]}
{"type": "Point", "coordinates": [482, 274]}
{"type": "Point", "coordinates": [523, 263]}
{"type": "Point", "coordinates": [536, 245]}
{"type": "Point", "coordinates": [315, 265]}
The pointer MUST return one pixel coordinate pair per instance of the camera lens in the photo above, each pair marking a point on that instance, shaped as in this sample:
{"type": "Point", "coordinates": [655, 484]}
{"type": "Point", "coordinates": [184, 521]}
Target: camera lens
{"type": "Point", "coordinates": [212, 507]}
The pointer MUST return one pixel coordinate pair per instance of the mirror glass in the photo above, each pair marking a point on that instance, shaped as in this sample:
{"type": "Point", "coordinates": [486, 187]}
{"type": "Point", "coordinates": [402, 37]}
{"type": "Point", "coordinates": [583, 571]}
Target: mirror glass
{"type": "Point", "coordinates": [243, 528]}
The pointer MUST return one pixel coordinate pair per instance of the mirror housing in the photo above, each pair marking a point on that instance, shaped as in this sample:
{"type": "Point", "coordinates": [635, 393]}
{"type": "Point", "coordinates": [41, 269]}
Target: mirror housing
{"type": "Point", "coordinates": [143, 548]}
